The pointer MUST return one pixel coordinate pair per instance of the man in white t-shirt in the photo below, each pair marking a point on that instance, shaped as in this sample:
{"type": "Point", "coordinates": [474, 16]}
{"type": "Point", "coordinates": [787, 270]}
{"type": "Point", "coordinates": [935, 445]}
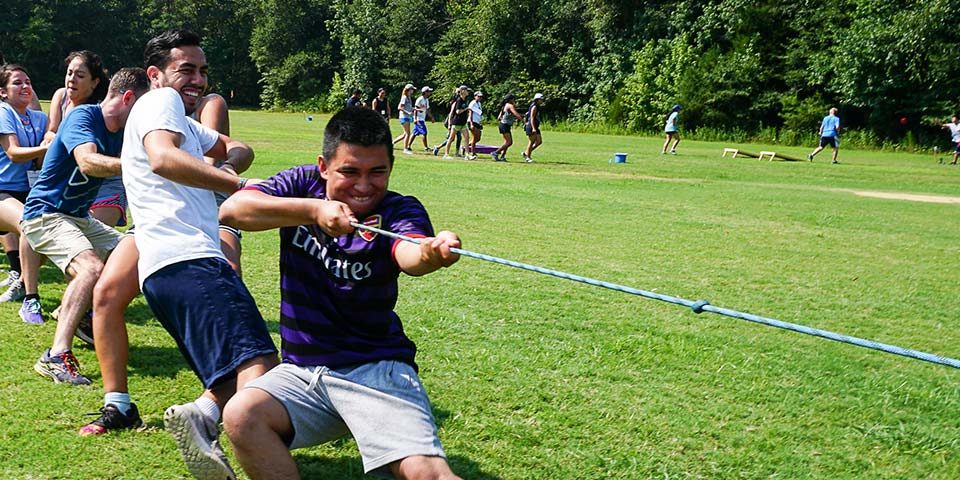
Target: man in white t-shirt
{"type": "Point", "coordinates": [954, 127]}
{"type": "Point", "coordinates": [421, 109]}
{"type": "Point", "coordinates": [192, 290]}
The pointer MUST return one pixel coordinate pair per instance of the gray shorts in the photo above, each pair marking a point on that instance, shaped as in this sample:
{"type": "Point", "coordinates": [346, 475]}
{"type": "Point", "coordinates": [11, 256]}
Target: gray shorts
{"type": "Point", "coordinates": [383, 405]}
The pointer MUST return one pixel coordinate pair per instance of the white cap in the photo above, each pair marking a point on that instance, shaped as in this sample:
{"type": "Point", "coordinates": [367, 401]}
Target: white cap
{"type": "Point", "coordinates": [426, 89]}
{"type": "Point", "coordinates": [478, 93]}
{"type": "Point", "coordinates": [410, 86]}
{"type": "Point", "coordinates": [538, 96]}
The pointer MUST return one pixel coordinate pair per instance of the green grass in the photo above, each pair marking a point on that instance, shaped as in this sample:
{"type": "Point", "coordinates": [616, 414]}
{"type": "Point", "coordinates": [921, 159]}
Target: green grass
{"type": "Point", "coordinates": [536, 377]}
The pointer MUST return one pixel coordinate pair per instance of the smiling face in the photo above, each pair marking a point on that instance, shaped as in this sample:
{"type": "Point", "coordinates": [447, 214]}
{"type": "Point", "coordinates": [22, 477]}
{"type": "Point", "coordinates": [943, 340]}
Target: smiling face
{"type": "Point", "coordinates": [358, 176]}
{"type": "Point", "coordinates": [18, 91]}
{"type": "Point", "coordinates": [186, 72]}
{"type": "Point", "coordinates": [79, 82]}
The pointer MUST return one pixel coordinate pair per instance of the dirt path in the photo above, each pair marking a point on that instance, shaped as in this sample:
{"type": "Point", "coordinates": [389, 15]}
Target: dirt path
{"type": "Point", "coordinates": [912, 197]}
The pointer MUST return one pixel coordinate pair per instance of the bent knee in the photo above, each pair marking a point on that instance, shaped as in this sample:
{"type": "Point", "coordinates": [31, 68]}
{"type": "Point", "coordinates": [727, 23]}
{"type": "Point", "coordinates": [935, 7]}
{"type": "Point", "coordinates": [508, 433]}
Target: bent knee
{"type": "Point", "coordinates": [253, 410]}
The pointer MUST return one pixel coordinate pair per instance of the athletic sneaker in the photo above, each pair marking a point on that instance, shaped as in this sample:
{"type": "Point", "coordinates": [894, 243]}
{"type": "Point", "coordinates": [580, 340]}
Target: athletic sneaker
{"type": "Point", "coordinates": [31, 312]}
{"type": "Point", "coordinates": [436, 151]}
{"type": "Point", "coordinates": [526, 158]}
{"type": "Point", "coordinates": [61, 368]}
{"type": "Point", "coordinates": [427, 149]}
{"type": "Point", "coordinates": [16, 292]}
{"type": "Point", "coordinates": [196, 438]}
{"type": "Point", "coordinates": [447, 157]}
{"type": "Point", "coordinates": [408, 151]}
{"type": "Point", "coordinates": [810, 157]}
{"type": "Point", "coordinates": [834, 162]}
{"type": "Point", "coordinates": [111, 418]}
{"type": "Point", "coordinates": [673, 152]}
{"type": "Point", "coordinates": [471, 157]}
{"type": "Point", "coordinates": [13, 276]}
{"type": "Point", "coordinates": [494, 156]}
{"type": "Point", "coordinates": [85, 328]}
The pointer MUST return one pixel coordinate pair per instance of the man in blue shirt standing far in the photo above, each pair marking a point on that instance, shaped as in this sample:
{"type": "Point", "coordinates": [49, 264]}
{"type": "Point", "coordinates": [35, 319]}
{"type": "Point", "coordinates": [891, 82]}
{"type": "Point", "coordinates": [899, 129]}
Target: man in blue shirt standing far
{"type": "Point", "coordinates": [56, 219]}
{"type": "Point", "coordinates": [829, 134]}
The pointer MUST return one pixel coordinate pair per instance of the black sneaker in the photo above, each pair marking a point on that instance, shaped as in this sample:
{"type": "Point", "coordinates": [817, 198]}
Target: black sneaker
{"type": "Point", "coordinates": [112, 419]}
{"type": "Point", "coordinates": [85, 328]}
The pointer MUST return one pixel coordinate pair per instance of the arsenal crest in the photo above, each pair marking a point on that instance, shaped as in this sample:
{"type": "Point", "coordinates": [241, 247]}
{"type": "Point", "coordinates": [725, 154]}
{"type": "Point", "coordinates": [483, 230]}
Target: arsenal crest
{"type": "Point", "coordinates": [373, 221]}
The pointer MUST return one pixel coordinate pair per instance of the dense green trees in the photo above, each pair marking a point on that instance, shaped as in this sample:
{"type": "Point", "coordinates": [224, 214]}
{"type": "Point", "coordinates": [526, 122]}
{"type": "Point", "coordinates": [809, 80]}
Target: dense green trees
{"type": "Point", "coordinates": [745, 65]}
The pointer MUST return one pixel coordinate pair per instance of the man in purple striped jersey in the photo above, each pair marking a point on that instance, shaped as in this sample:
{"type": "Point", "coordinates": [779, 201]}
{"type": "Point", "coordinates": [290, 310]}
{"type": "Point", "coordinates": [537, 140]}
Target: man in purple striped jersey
{"type": "Point", "coordinates": [348, 367]}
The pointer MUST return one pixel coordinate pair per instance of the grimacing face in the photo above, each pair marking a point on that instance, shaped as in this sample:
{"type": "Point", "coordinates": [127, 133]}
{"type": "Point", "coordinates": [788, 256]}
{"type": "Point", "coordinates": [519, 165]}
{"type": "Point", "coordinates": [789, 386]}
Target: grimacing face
{"type": "Point", "coordinates": [78, 81]}
{"type": "Point", "coordinates": [358, 176]}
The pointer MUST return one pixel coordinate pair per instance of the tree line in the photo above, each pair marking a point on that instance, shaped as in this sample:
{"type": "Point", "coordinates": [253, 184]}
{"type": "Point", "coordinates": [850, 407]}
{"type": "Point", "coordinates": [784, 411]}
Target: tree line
{"type": "Point", "coordinates": [739, 67]}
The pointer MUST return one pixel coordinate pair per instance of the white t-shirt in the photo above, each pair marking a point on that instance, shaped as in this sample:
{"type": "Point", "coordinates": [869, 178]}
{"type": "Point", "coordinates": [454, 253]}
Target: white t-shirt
{"type": "Point", "coordinates": [477, 111]}
{"type": "Point", "coordinates": [405, 107]}
{"type": "Point", "coordinates": [174, 222]}
{"type": "Point", "coordinates": [954, 131]}
{"type": "Point", "coordinates": [671, 122]}
{"type": "Point", "coordinates": [423, 104]}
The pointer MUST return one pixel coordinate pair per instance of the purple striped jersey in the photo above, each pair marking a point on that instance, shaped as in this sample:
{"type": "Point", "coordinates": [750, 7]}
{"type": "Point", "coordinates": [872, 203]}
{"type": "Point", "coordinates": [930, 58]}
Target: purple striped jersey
{"type": "Point", "coordinates": [337, 294]}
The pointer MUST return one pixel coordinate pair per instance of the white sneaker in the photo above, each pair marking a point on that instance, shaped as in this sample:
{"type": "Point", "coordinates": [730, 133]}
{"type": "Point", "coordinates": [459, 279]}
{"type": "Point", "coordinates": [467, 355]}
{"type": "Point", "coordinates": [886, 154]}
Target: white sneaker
{"type": "Point", "coordinates": [196, 438]}
{"type": "Point", "coordinates": [408, 151]}
{"type": "Point", "coordinates": [11, 277]}
{"type": "Point", "coordinates": [447, 157]}
{"type": "Point", "coordinates": [15, 293]}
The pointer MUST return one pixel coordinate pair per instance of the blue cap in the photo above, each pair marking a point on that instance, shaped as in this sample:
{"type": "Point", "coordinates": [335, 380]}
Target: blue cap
{"type": "Point", "coordinates": [676, 107]}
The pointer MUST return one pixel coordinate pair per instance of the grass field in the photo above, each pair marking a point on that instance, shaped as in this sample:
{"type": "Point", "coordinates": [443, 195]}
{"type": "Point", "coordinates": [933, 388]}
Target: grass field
{"type": "Point", "coordinates": [535, 377]}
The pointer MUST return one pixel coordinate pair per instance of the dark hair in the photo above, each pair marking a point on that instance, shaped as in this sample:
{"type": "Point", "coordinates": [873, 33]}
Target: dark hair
{"type": "Point", "coordinates": [6, 71]}
{"type": "Point", "coordinates": [130, 78]}
{"type": "Point", "coordinates": [157, 51]}
{"type": "Point", "coordinates": [506, 99]}
{"type": "Point", "coordinates": [93, 63]}
{"type": "Point", "coordinates": [357, 91]}
{"type": "Point", "coordinates": [357, 126]}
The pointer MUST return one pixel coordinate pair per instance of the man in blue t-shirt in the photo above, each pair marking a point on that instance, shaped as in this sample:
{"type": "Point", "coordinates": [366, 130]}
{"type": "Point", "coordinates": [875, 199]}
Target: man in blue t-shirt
{"type": "Point", "coordinates": [56, 219]}
{"type": "Point", "coordinates": [829, 135]}
{"type": "Point", "coordinates": [348, 367]}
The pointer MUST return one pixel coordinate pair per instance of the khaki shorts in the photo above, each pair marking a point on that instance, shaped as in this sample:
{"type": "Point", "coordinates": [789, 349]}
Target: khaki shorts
{"type": "Point", "coordinates": [62, 237]}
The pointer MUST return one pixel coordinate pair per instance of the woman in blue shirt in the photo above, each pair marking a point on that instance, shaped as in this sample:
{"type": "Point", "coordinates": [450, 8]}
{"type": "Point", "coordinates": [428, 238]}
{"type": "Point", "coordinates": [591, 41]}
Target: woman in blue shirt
{"type": "Point", "coordinates": [21, 144]}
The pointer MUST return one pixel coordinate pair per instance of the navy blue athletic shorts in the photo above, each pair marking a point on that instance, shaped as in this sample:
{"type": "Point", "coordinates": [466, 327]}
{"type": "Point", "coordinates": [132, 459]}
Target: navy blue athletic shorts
{"type": "Point", "coordinates": [207, 309]}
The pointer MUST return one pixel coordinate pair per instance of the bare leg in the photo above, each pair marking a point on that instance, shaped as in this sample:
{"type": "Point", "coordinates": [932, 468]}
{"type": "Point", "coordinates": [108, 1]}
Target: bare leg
{"type": "Point", "coordinates": [108, 215]}
{"type": "Point", "coordinates": [30, 263]}
{"type": "Point", "coordinates": [450, 138]}
{"type": "Point", "coordinates": [815, 152]}
{"type": "Point", "coordinates": [257, 425]}
{"type": "Point", "coordinates": [423, 467]}
{"type": "Point", "coordinates": [231, 247]}
{"type": "Point", "coordinates": [247, 371]}
{"type": "Point", "coordinates": [117, 287]}
{"type": "Point", "coordinates": [85, 269]}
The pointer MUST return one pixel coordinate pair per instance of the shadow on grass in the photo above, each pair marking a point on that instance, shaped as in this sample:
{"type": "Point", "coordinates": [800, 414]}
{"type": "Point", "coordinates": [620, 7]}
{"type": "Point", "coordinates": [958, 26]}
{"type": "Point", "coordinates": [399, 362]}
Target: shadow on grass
{"type": "Point", "coordinates": [152, 361]}
{"type": "Point", "coordinates": [313, 465]}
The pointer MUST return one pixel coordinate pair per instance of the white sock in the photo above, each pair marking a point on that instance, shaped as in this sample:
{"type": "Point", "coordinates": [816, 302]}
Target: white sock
{"type": "Point", "coordinates": [209, 408]}
{"type": "Point", "coordinates": [121, 400]}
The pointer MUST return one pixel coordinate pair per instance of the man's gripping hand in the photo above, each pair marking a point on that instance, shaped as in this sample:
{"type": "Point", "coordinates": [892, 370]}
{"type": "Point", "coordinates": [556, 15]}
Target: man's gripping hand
{"type": "Point", "coordinates": [334, 217]}
{"type": "Point", "coordinates": [435, 251]}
